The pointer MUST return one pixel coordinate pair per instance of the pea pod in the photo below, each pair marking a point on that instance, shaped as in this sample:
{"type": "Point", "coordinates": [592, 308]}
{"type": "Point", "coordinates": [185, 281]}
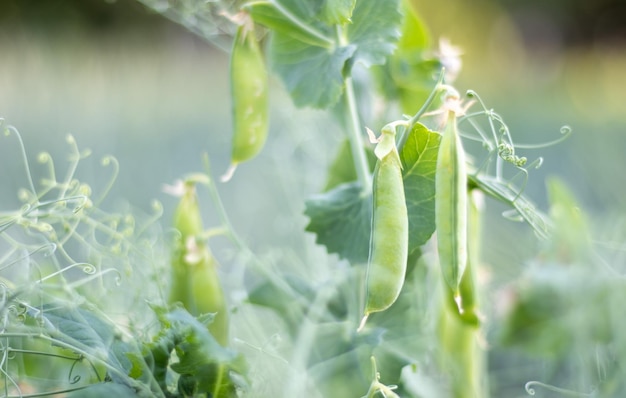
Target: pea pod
{"type": "Point", "coordinates": [389, 240]}
{"type": "Point", "coordinates": [195, 282]}
{"type": "Point", "coordinates": [451, 206]}
{"type": "Point", "coordinates": [249, 96]}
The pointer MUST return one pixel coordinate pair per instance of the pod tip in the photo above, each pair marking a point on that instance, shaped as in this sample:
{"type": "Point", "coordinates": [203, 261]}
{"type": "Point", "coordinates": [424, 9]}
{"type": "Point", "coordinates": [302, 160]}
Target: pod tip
{"type": "Point", "coordinates": [362, 323]}
{"type": "Point", "coordinates": [229, 173]}
{"type": "Point", "coordinates": [459, 303]}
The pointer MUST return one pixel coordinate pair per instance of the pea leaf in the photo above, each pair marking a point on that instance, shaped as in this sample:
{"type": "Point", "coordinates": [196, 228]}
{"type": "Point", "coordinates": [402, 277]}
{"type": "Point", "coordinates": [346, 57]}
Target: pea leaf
{"type": "Point", "coordinates": [312, 75]}
{"type": "Point", "coordinates": [78, 327]}
{"type": "Point", "coordinates": [337, 12]}
{"type": "Point", "coordinates": [311, 57]}
{"type": "Point", "coordinates": [292, 19]}
{"type": "Point", "coordinates": [419, 162]}
{"type": "Point", "coordinates": [374, 30]}
{"type": "Point", "coordinates": [201, 359]}
{"type": "Point", "coordinates": [341, 217]}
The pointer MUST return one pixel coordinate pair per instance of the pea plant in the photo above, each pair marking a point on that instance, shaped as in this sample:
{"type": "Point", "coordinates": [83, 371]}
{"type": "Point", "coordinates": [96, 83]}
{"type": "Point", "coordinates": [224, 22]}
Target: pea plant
{"type": "Point", "coordinates": [401, 312]}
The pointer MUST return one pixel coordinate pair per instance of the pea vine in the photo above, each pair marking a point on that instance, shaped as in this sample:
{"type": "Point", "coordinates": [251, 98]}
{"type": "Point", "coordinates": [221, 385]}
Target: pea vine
{"type": "Point", "coordinates": [403, 214]}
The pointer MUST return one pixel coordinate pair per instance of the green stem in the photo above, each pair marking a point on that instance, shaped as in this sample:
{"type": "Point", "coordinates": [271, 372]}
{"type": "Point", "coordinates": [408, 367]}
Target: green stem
{"type": "Point", "coordinates": [355, 131]}
{"type": "Point", "coordinates": [431, 98]}
{"type": "Point", "coordinates": [356, 139]}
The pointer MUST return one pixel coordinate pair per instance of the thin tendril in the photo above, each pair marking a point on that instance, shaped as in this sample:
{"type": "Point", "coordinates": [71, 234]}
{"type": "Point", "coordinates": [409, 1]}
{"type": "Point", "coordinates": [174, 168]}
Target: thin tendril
{"type": "Point", "coordinates": [23, 155]}
{"type": "Point", "coordinates": [529, 387]}
{"type": "Point", "coordinates": [87, 268]}
{"type": "Point", "coordinates": [106, 161]}
{"type": "Point", "coordinates": [565, 131]}
{"type": "Point", "coordinates": [74, 160]}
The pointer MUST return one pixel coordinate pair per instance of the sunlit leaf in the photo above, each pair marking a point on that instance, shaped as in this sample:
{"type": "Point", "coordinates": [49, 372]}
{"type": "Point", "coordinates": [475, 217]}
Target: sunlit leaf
{"type": "Point", "coordinates": [337, 12]}
{"type": "Point", "coordinates": [312, 75]}
{"type": "Point", "coordinates": [419, 161]}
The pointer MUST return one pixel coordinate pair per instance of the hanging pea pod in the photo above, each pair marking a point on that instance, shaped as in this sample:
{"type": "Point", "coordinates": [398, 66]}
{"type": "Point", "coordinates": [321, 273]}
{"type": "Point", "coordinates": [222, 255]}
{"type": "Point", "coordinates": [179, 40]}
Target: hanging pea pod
{"type": "Point", "coordinates": [389, 239]}
{"type": "Point", "coordinates": [195, 282]}
{"type": "Point", "coordinates": [249, 96]}
{"type": "Point", "coordinates": [451, 206]}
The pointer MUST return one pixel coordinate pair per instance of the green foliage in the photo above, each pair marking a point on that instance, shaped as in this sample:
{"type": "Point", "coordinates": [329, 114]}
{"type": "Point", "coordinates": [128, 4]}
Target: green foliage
{"type": "Point", "coordinates": [341, 217]}
{"type": "Point", "coordinates": [308, 53]}
{"type": "Point", "coordinates": [111, 307]}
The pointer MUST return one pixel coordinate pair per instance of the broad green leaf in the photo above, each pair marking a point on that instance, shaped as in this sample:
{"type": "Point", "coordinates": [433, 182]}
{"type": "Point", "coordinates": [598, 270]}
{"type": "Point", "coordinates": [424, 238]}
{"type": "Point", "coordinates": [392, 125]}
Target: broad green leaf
{"type": "Point", "coordinates": [341, 219]}
{"type": "Point", "coordinates": [374, 30]}
{"type": "Point", "coordinates": [79, 328]}
{"type": "Point", "coordinates": [523, 207]}
{"type": "Point", "coordinates": [313, 75]}
{"type": "Point", "coordinates": [337, 12]}
{"type": "Point", "coordinates": [201, 360]}
{"type": "Point", "coordinates": [419, 161]}
{"type": "Point", "coordinates": [297, 23]}
{"type": "Point", "coordinates": [312, 57]}
{"type": "Point", "coordinates": [342, 169]}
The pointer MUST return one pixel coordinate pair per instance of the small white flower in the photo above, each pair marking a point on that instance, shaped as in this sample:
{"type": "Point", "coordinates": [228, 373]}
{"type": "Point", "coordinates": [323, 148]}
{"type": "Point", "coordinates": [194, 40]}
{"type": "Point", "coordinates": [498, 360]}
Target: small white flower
{"type": "Point", "coordinates": [450, 58]}
{"type": "Point", "coordinates": [193, 253]}
{"type": "Point", "coordinates": [178, 189]}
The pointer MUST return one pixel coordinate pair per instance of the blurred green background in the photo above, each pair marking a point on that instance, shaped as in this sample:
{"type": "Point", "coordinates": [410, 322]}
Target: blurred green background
{"type": "Point", "coordinates": [127, 82]}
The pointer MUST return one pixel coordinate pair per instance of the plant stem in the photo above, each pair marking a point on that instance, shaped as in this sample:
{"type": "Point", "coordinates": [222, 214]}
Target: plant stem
{"type": "Point", "coordinates": [355, 135]}
{"type": "Point", "coordinates": [356, 138]}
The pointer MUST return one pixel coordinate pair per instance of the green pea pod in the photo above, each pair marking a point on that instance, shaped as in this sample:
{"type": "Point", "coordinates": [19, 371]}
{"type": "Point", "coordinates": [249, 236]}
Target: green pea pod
{"type": "Point", "coordinates": [451, 206]}
{"type": "Point", "coordinates": [389, 240]}
{"type": "Point", "coordinates": [249, 95]}
{"type": "Point", "coordinates": [195, 282]}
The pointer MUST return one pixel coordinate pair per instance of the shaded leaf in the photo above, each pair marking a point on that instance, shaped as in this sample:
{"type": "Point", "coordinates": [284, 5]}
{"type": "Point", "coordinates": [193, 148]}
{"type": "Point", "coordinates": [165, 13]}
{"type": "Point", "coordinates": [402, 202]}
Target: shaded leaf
{"type": "Point", "coordinates": [308, 53]}
{"type": "Point", "coordinates": [80, 328]}
{"type": "Point", "coordinates": [205, 364]}
{"type": "Point", "coordinates": [341, 219]}
{"type": "Point", "coordinates": [276, 16]}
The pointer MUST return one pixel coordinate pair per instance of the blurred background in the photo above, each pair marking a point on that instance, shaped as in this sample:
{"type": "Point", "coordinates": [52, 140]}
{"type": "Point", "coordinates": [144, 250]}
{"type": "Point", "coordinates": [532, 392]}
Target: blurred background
{"type": "Point", "coordinates": [127, 82]}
